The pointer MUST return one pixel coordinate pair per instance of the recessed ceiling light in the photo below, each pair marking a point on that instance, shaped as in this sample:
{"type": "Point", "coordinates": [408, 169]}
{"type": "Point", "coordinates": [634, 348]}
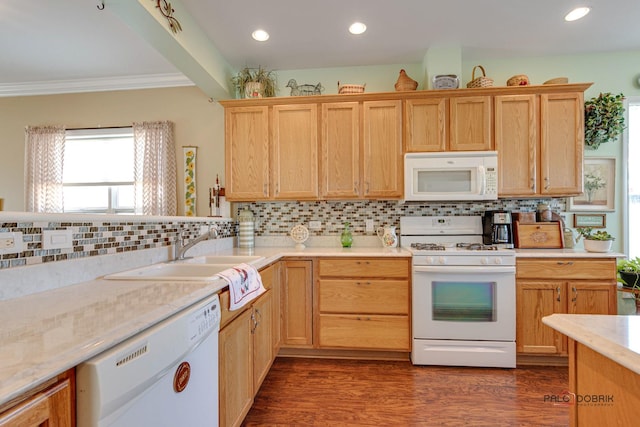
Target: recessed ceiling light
{"type": "Point", "coordinates": [577, 13]}
{"type": "Point", "coordinates": [357, 28]}
{"type": "Point", "coordinates": [260, 35]}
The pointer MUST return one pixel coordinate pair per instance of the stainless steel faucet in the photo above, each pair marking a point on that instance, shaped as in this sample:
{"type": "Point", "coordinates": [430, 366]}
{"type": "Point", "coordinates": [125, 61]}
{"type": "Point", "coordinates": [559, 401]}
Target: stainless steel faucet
{"type": "Point", "coordinates": [181, 248]}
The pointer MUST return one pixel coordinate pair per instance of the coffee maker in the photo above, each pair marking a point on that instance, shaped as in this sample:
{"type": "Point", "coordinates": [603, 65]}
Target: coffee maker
{"type": "Point", "coordinates": [497, 229]}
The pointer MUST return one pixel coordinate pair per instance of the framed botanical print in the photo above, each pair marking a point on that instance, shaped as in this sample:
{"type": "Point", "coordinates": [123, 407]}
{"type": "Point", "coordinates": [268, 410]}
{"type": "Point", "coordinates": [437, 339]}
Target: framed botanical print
{"type": "Point", "coordinates": [599, 186]}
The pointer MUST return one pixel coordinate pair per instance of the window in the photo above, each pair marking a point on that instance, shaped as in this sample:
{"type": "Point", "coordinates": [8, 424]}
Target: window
{"type": "Point", "coordinates": [633, 178]}
{"type": "Point", "coordinates": [98, 172]}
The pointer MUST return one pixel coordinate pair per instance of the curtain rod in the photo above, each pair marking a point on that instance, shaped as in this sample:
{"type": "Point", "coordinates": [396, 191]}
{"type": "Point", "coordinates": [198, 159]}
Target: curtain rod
{"type": "Point", "coordinates": [99, 128]}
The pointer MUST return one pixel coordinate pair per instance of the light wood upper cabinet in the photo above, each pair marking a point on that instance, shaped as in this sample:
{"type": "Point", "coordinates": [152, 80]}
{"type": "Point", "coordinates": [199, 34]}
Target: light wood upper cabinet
{"type": "Point", "coordinates": [340, 148]}
{"type": "Point", "coordinates": [247, 153]}
{"type": "Point", "coordinates": [382, 145]}
{"type": "Point", "coordinates": [561, 143]}
{"type": "Point", "coordinates": [295, 151]}
{"type": "Point", "coordinates": [470, 123]}
{"type": "Point", "coordinates": [540, 144]}
{"type": "Point", "coordinates": [425, 125]}
{"type": "Point", "coordinates": [351, 147]}
{"type": "Point", "coordinates": [516, 140]}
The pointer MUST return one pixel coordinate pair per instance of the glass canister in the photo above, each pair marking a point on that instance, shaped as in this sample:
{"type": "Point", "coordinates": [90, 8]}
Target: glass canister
{"type": "Point", "coordinates": [245, 229]}
{"type": "Point", "coordinates": [544, 213]}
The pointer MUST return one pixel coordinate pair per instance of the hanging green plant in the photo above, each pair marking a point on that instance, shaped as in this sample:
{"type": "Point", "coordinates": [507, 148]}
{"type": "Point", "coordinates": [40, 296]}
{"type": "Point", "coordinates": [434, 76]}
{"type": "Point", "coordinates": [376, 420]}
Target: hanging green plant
{"type": "Point", "coordinates": [603, 119]}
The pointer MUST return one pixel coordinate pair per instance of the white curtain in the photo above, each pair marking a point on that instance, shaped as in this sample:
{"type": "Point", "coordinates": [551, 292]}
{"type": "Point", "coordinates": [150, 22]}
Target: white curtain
{"type": "Point", "coordinates": [44, 158]}
{"type": "Point", "coordinates": [155, 168]}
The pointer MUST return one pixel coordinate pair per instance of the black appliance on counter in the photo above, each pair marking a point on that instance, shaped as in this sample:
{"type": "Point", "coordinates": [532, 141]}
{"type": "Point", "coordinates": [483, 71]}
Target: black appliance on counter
{"type": "Point", "coordinates": [497, 229]}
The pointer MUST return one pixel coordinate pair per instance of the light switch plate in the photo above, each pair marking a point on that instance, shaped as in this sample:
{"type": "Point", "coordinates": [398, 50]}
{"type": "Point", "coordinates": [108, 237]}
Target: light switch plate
{"type": "Point", "coordinates": [315, 225]}
{"type": "Point", "coordinates": [11, 243]}
{"type": "Point", "coordinates": [57, 239]}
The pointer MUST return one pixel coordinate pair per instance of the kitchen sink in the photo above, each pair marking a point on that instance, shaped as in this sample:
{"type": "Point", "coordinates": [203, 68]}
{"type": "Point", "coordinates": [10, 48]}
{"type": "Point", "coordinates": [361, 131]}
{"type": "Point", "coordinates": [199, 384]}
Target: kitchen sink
{"type": "Point", "coordinates": [223, 259]}
{"type": "Point", "coordinates": [173, 271]}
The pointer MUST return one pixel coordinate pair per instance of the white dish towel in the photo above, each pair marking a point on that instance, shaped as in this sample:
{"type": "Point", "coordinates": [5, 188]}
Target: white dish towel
{"type": "Point", "coordinates": [245, 284]}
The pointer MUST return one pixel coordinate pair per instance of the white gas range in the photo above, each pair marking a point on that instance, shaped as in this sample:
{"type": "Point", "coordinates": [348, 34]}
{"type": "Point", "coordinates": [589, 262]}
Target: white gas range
{"type": "Point", "coordinates": [463, 293]}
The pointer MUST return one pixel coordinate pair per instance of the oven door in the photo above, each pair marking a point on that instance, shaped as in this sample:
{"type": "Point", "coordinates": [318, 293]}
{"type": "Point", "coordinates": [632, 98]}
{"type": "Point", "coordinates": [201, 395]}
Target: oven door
{"type": "Point", "coordinates": [464, 303]}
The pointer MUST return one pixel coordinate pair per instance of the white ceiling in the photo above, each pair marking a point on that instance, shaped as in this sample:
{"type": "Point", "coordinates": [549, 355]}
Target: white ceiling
{"type": "Point", "coordinates": [71, 40]}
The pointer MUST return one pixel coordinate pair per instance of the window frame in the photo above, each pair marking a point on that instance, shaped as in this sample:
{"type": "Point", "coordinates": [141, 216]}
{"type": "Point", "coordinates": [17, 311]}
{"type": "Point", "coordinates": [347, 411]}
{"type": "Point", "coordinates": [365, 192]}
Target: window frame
{"type": "Point", "coordinates": [112, 186]}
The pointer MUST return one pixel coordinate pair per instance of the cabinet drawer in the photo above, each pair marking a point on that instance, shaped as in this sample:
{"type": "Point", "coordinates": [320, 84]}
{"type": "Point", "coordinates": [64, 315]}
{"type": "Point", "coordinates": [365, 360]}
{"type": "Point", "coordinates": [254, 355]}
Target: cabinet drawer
{"type": "Point", "coordinates": [566, 268]}
{"type": "Point", "coordinates": [364, 296]}
{"type": "Point", "coordinates": [364, 331]}
{"type": "Point", "coordinates": [364, 267]}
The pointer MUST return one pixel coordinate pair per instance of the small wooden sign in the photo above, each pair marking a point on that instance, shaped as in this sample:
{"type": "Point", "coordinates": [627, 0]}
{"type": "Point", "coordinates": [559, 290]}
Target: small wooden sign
{"type": "Point", "coordinates": [590, 220]}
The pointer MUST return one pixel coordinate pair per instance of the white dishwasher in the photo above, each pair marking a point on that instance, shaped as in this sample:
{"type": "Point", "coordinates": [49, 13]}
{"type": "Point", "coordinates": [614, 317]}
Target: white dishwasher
{"type": "Point", "coordinates": [166, 376]}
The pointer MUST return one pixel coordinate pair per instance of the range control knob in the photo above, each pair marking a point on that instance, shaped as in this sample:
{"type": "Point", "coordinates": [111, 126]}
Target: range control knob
{"type": "Point", "coordinates": [484, 260]}
{"type": "Point", "coordinates": [442, 260]}
{"type": "Point", "coordinates": [498, 261]}
{"type": "Point", "coordinates": [429, 260]}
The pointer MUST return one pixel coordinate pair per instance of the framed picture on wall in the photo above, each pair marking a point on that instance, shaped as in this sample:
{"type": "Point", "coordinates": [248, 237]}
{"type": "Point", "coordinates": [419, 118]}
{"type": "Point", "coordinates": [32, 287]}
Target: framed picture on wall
{"type": "Point", "coordinates": [599, 186]}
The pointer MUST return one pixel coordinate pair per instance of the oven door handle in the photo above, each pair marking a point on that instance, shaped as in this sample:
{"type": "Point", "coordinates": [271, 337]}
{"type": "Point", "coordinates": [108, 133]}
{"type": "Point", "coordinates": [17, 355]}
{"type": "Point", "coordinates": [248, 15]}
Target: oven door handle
{"type": "Point", "coordinates": [490, 269]}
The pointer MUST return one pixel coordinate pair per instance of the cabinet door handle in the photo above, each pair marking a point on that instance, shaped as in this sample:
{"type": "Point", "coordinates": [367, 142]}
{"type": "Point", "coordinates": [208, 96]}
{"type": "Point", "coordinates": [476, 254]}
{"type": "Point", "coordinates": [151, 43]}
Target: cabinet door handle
{"type": "Point", "coordinates": [533, 184]}
{"type": "Point", "coordinates": [254, 321]}
{"type": "Point", "coordinates": [565, 263]}
{"type": "Point", "coordinates": [575, 294]}
{"type": "Point", "coordinates": [546, 182]}
{"type": "Point", "coordinates": [264, 189]}
{"type": "Point", "coordinates": [363, 283]}
{"type": "Point", "coordinates": [558, 292]}
{"type": "Point", "coordinates": [355, 187]}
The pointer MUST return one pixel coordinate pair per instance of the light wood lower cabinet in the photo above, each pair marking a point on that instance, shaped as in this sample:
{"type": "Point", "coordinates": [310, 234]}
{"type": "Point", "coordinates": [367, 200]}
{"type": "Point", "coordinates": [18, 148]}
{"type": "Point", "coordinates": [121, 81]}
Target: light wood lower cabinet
{"type": "Point", "coordinates": [52, 405]}
{"type": "Point", "coordinates": [363, 304]}
{"type": "Point", "coordinates": [235, 370]}
{"type": "Point", "coordinates": [559, 285]}
{"type": "Point", "coordinates": [247, 348]}
{"type": "Point", "coordinates": [606, 393]}
{"type": "Point", "coordinates": [297, 303]}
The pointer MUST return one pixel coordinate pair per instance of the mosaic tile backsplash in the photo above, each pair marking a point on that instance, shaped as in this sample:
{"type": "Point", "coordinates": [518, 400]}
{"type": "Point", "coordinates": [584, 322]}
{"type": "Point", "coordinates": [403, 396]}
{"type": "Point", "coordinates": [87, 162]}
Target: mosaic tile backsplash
{"type": "Point", "coordinates": [94, 238]}
{"type": "Point", "coordinates": [277, 218]}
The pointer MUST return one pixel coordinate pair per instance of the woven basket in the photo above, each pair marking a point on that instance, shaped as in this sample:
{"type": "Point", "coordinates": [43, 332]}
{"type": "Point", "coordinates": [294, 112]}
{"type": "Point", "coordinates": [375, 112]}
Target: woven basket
{"type": "Point", "coordinates": [557, 81]}
{"type": "Point", "coordinates": [342, 89]}
{"type": "Point", "coordinates": [482, 81]}
{"type": "Point", "coordinates": [518, 80]}
{"type": "Point", "coordinates": [405, 82]}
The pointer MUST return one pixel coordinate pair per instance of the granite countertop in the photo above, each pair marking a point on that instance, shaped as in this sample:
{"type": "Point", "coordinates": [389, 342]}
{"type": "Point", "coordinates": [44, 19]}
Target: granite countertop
{"type": "Point", "coordinates": [46, 333]}
{"type": "Point", "coordinates": [615, 337]}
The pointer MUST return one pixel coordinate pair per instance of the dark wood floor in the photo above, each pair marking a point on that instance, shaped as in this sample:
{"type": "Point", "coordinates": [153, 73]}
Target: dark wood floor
{"type": "Point", "coordinates": [318, 392]}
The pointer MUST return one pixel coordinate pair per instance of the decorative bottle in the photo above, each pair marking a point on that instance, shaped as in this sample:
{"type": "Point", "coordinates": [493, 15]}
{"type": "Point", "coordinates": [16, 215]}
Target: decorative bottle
{"type": "Point", "coordinates": [346, 238]}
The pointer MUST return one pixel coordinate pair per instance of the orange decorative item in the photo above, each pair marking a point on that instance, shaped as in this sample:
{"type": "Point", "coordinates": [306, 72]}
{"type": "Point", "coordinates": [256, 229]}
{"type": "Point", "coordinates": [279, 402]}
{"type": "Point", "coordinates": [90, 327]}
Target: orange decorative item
{"type": "Point", "coordinates": [405, 82]}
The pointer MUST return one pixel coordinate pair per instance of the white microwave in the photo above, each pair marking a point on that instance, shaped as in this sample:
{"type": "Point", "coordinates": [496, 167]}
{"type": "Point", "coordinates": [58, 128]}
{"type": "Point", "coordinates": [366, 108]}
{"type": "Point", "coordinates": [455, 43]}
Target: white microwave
{"type": "Point", "coordinates": [451, 176]}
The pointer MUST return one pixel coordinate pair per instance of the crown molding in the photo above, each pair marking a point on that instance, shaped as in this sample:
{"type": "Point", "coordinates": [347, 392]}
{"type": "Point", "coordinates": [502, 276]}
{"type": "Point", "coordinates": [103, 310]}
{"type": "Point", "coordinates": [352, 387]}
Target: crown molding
{"type": "Point", "coordinates": [53, 87]}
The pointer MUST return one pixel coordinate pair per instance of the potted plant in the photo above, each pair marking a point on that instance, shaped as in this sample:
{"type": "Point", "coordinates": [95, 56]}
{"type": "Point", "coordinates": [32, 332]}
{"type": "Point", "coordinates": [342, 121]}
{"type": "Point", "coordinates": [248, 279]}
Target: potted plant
{"type": "Point", "coordinates": [603, 119]}
{"type": "Point", "coordinates": [255, 83]}
{"type": "Point", "coordinates": [600, 241]}
{"type": "Point", "coordinates": [629, 272]}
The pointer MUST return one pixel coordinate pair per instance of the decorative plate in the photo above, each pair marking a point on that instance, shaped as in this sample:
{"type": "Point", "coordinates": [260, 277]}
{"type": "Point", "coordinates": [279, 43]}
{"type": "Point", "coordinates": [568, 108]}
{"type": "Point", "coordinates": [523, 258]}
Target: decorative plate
{"type": "Point", "coordinates": [299, 234]}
